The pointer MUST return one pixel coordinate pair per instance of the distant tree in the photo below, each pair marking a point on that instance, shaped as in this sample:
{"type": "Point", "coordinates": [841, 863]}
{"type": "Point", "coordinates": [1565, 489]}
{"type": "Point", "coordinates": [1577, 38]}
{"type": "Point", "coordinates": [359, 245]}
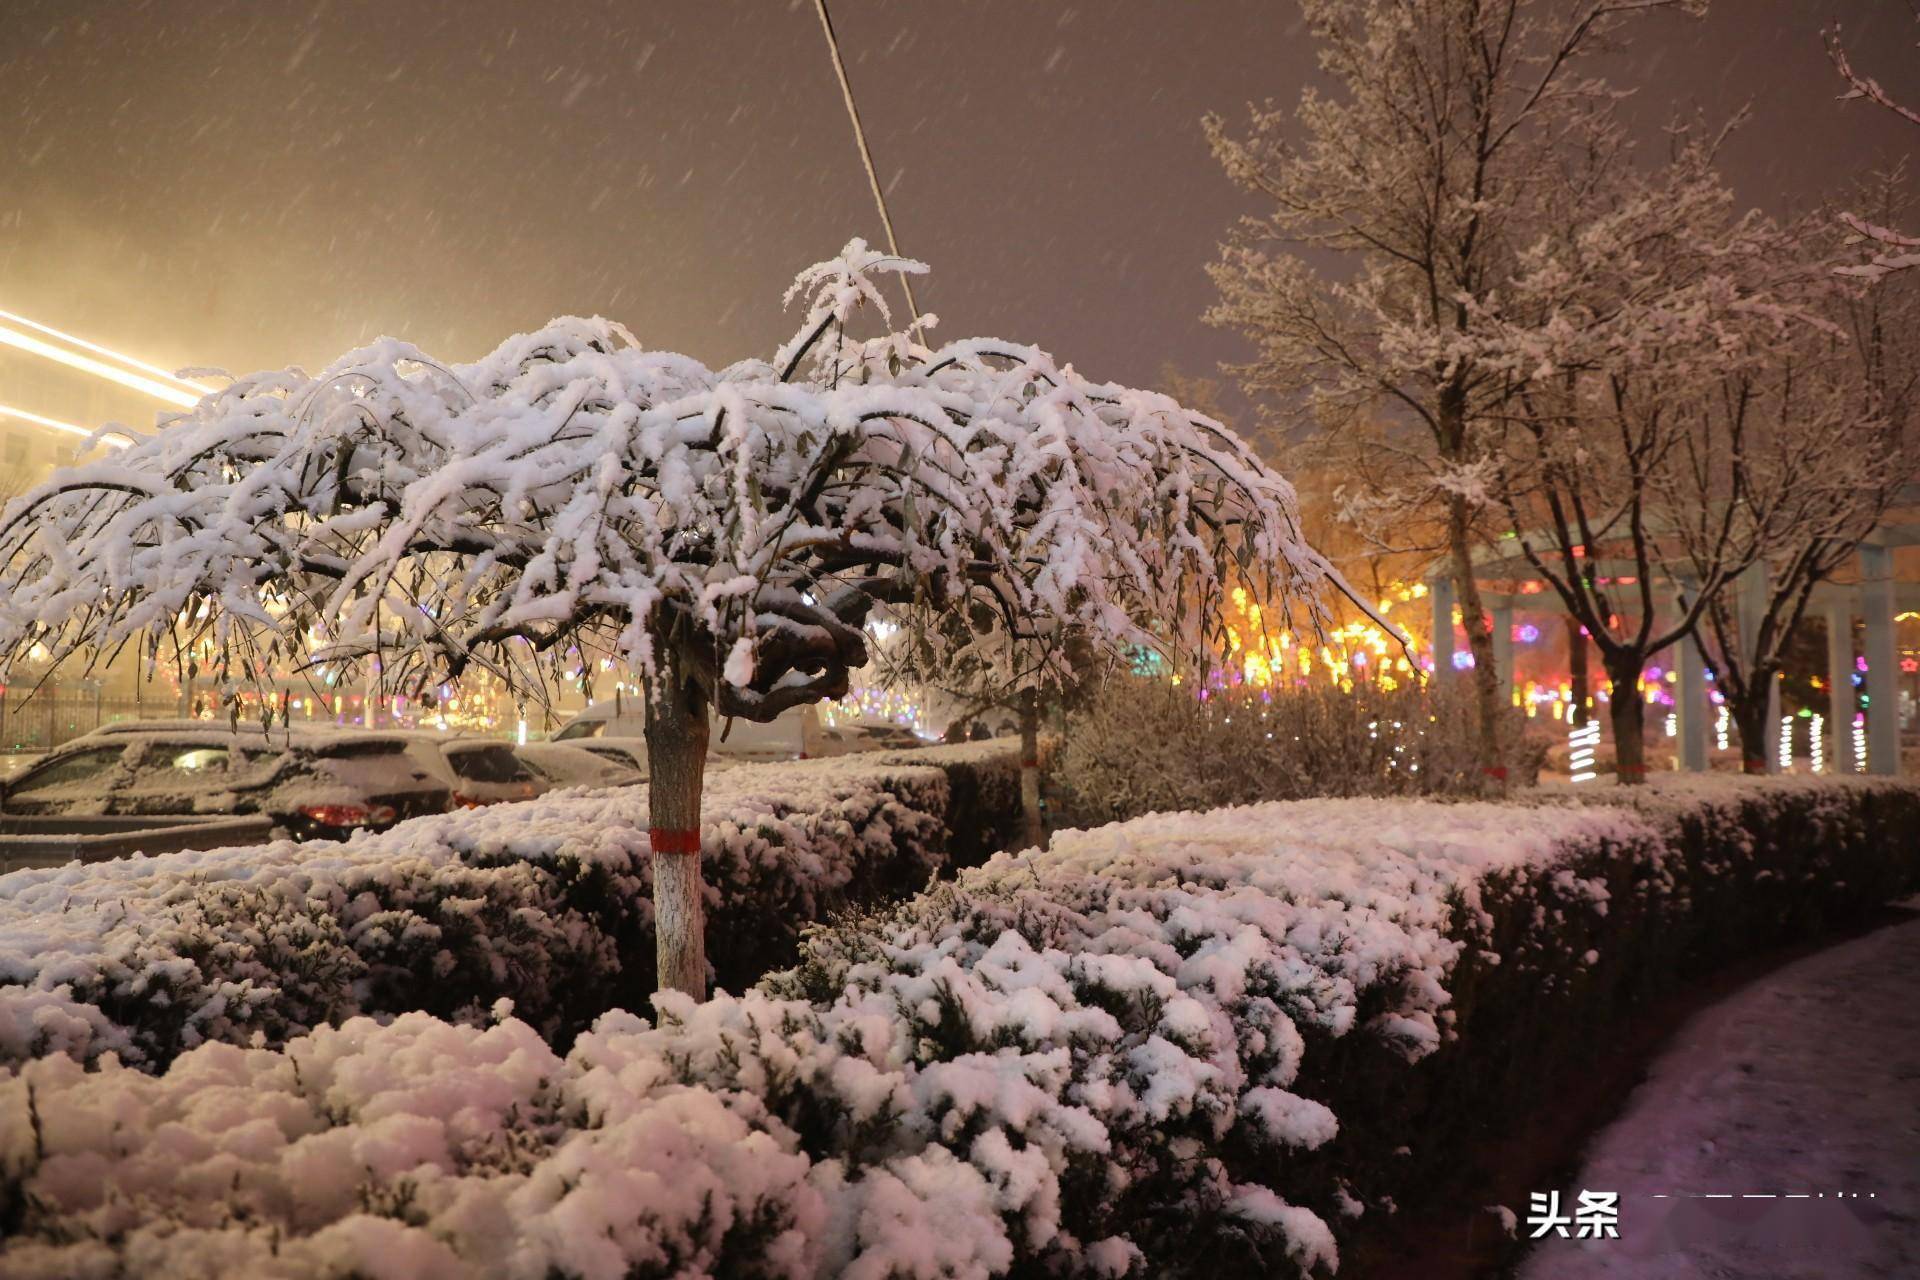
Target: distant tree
{"type": "Point", "coordinates": [726, 533]}
{"type": "Point", "coordinates": [1636, 346]}
{"type": "Point", "coordinates": [1419, 172]}
{"type": "Point", "coordinates": [1706, 399]}
{"type": "Point", "coordinates": [1828, 448]}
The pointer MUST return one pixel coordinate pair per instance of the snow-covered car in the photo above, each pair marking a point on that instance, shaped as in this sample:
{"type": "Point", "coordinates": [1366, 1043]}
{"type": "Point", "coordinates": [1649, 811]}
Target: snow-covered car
{"type": "Point", "coordinates": [479, 771]}
{"type": "Point", "coordinates": [876, 735]}
{"type": "Point", "coordinates": [312, 784]}
{"type": "Point", "coordinates": [796, 733]}
{"type": "Point", "coordinates": [628, 752]}
{"type": "Point", "coordinates": [565, 764]}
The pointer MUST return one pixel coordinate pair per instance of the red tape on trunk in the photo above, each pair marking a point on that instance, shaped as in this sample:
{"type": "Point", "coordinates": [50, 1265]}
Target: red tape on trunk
{"type": "Point", "coordinates": [1498, 772]}
{"type": "Point", "coordinates": [1632, 770]}
{"type": "Point", "coordinates": [665, 841]}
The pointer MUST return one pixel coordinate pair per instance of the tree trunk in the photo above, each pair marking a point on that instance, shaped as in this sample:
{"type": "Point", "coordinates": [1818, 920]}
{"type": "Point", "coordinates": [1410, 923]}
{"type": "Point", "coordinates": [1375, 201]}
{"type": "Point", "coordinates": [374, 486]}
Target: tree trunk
{"type": "Point", "coordinates": [1032, 831]}
{"type": "Point", "coordinates": [677, 731]}
{"type": "Point", "coordinates": [1580, 681]}
{"type": "Point", "coordinates": [1490, 705]}
{"type": "Point", "coordinates": [1750, 718]}
{"type": "Point", "coordinates": [1629, 715]}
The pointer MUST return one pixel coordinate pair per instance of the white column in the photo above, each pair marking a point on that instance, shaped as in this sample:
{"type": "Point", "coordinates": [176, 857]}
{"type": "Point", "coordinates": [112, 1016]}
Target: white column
{"type": "Point", "coordinates": [1840, 695]}
{"type": "Point", "coordinates": [1503, 648]}
{"type": "Point", "coordinates": [1690, 696]}
{"type": "Point", "coordinates": [1883, 663]}
{"type": "Point", "coordinates": [1750, 605]}
{"type": "Point", "coordinates": [1440, 589]}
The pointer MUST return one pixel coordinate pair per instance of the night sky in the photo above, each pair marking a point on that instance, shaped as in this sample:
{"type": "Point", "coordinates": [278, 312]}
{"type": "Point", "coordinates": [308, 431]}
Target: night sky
{"type": "Point", "coordinates": [249, 184]}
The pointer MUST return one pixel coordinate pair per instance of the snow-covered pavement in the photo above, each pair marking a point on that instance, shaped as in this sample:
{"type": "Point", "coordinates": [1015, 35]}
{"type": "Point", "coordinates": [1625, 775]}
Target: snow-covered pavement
{"type": "Point", "coordinates": [1804, 1087]}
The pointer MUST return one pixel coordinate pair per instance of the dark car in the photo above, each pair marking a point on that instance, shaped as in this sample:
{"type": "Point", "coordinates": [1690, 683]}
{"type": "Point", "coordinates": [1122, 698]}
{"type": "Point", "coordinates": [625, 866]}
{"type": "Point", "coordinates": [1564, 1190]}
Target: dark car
{"type": "Point", "coordinates": [312, 784]}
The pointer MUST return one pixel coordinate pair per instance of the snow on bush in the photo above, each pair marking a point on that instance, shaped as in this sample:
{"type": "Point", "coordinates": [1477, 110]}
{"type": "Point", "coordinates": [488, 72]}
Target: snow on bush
{"type": "Point", "coordinates": [1192, 1044]}
{"type": "Point", "coordinates": [544, 902]}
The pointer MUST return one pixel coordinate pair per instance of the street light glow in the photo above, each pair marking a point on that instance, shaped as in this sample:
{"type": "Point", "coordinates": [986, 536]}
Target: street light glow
{"type": "Point", "coordinates": [173, 395]}
{"type": "Point", "coordinates": [8, 411]}
{"type": "Point", "coordinates": [187, 384]}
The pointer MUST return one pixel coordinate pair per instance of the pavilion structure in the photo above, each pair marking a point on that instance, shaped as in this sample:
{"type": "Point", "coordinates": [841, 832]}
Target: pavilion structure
{"type": "Point", "coordinates": [1877, 598]}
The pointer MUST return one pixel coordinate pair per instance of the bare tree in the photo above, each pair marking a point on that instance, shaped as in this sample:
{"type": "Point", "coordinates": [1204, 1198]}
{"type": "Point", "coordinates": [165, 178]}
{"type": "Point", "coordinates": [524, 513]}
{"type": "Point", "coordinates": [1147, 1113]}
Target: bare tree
{"type": "Point", "coordinates": [1889, 250]}
{"type": "Point", "coordinates": [1420, 172]}
{"type": "Point", "coordinates": [725, 533]}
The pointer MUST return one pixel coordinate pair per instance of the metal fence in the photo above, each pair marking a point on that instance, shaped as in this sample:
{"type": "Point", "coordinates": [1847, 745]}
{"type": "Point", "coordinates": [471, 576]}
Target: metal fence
{"type": "Point", "coordinates": [51, 717]}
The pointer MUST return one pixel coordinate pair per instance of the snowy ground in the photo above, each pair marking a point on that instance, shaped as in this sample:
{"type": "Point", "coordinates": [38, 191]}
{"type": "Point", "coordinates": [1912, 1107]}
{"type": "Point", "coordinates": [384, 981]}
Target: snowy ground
{"type": "Point", "coordinates": [1804, 1087]}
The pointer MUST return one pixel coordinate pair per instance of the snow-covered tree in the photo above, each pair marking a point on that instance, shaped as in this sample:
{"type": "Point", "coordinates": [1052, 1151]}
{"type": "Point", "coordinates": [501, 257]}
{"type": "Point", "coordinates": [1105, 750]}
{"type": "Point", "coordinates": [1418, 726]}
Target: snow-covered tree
{"type": "Point", "coordinates": [1826, 449]}
{"type": "Point", "coordinates": [1890, 250]}
{"type": "Point", "coordinates": [725, 533]}
{"type": "Point", "coordinates": [1633, 344]}
{"type": "Point", "coordinates": [1419, 172]}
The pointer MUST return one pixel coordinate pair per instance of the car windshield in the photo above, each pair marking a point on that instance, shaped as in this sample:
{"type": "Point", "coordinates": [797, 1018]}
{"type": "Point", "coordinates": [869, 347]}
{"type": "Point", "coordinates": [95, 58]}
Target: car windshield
{"type": "Point", "coordinates": [581, 729]}
{"type": "Point", "coordinates": [493, 763]}
{"type": "Point", "coordinates": [76, 772]}
{"type": "Point", "coordinates": [187, 767]}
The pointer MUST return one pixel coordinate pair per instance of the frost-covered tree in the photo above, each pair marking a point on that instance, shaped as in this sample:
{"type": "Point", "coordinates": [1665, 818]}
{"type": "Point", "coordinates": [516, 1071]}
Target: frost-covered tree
{"type": "Point", "coordinates": [1418, 173]}
{"type": "Point", "coordinates": [1826, 449]}
{"type": "Point", "coordinates": [726, 533]}
{"type": "Point", "coordinates": [1638, 335]}
{"type": "Point", "coordinates": [1890, 250]}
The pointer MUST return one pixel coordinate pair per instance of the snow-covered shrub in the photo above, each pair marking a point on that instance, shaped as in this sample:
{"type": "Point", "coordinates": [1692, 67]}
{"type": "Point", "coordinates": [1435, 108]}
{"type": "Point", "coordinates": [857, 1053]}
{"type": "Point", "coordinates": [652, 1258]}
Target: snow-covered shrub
{"type": "Point", "coordinates": [1149, 746]}
{"type": "Point", "coordinates": [1214, 1044]}
{"type": "Point", "coordinates": [983, 794]}
{"type": "Point", "coordinates": [544, 902]}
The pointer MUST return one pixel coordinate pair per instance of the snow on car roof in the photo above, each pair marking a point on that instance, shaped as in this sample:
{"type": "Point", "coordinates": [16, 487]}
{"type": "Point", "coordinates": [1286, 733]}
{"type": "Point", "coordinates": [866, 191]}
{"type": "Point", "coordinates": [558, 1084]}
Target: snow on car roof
{"type": "Point", "coordinates": [214, 733]}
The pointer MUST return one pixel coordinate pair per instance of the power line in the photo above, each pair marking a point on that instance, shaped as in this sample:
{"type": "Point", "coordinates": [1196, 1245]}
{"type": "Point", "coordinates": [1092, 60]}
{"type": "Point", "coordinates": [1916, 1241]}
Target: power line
{"type": "Point", "coordinates": [866, 155]}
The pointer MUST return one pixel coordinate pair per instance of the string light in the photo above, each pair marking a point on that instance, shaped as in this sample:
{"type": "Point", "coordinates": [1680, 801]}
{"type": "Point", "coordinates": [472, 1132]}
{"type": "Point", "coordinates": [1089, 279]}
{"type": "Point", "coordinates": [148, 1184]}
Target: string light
{"type": "Point", "coordinates": [1582, 743]}
{"type": "Point", "coordinates": [1786, 743]}
{"type": "Point", "coordinates": [1817, 743]}
{"type": "Point", "coordinates": [1859, 743]}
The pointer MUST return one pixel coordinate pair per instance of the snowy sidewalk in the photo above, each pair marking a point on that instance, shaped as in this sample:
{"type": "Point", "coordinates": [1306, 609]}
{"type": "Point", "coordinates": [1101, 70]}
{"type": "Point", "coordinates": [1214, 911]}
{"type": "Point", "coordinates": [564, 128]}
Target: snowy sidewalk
{"type": "Point", "coordinates": [1805, 1084]}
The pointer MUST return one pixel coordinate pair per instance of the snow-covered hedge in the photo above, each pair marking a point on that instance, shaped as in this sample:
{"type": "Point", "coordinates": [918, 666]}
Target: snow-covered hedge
{"type": "Point", "coordinates": [1213, 1044]}
{"type": "Point", "coordinates": [544, 902]}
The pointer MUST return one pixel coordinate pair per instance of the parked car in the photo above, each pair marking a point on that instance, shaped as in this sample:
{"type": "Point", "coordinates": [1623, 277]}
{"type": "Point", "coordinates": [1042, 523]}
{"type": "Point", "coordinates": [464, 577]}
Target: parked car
{"type": "Point", "coordinates": [628, 752]}
{"type": "Point", "coordinates": [566, 764]}
{"type": "Point", "coordinates": [313, 784]}
{"type": "Point", "coordinates": [794, 734]}
{"type": "Point", "coordinates": [879, 735]}
{"type": "Point", "coordinates": [478, 771]}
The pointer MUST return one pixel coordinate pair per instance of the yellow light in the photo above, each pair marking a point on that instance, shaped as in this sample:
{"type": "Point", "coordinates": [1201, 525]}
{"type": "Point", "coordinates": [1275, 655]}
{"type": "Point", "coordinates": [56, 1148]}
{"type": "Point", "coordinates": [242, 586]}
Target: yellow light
{"type": "Point", "coordinates": [99, 368]}
{"type": "Point", "coordinates": [8, 411]}
{"type": "Point", "coordinates": [187, 383]}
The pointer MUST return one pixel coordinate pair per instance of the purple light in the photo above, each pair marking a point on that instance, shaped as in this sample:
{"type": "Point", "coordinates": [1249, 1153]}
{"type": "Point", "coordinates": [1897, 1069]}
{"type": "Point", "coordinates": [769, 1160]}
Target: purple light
{"type": "Point", "coordinates": [1526, 633]}
{"type": "Point", "coordinates": [1462, 659]}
